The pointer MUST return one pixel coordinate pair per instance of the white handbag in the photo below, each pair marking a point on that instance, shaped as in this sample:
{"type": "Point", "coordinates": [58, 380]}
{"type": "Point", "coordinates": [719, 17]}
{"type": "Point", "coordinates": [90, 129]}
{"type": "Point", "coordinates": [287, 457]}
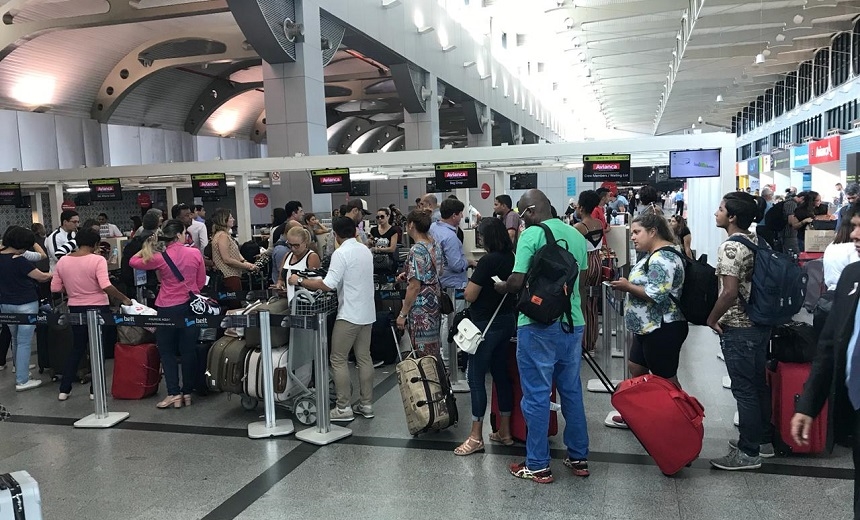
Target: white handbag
{"type": "Point", "coordinates": [469, 337]}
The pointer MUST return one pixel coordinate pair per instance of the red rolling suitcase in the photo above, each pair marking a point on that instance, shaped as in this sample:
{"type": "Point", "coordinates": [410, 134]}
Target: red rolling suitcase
{"type": "Point", "coordinates": [136, 371]}
{"type": "Point", "coordinates": [665, 419]}
{"type": "Point", "coordinates": [518, 422]}
{"type": "Point", "coordinates": [786, 385]}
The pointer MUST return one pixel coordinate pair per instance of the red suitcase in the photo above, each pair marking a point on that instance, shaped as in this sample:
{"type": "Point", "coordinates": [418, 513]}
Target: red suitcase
{"type": "Point", "coordinates": [665, 419]}
{"type": "Point", "coordinates": [786, 385]}
{"type": "Point", "coordinates": [518, 422]}
{"type": "Point", "coordinates": [136, 371]}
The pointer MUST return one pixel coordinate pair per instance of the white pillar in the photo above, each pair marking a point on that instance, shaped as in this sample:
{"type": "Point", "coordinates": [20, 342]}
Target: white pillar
{"type": "Point", "coordinates": [55, 197]}
{"type": "Point", "coordinates": [422, 129]}
{"type": "Point", "coordinates": [172, 199]}
{"type": "Point", "coordinates": [243, 208]}
{"type": "Point", "coordinates": [37, 208]}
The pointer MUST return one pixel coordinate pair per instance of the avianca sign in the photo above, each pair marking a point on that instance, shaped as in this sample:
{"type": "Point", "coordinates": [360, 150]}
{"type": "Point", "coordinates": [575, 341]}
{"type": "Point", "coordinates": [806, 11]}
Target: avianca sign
{"type": "Point", "coordinates": [824, 151]}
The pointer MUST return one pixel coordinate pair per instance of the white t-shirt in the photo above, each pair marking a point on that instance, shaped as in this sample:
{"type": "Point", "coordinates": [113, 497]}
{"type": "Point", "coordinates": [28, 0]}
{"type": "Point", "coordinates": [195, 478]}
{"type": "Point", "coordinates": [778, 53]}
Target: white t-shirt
{"type": "Point", "coordinates": [109, 230]}
{"type": "Point", "coordinates": [836, 258]}
{"type": "Point", "coordinates": [350, 273]}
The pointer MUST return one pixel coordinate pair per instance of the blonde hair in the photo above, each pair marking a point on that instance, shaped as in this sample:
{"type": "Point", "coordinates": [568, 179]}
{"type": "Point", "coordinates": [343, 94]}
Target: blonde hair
{"type": "Point", "coordinates": [219, 220]}
{"type": "Point", "coordinates": [171, 229]}
{"type": "Point", "coordinates": [299, 232]}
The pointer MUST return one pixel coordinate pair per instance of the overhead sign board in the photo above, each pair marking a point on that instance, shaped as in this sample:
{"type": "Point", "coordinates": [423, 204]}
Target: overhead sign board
{"type": "Point", "coordinates": [209, 185]}
{"type": "Point", "coordinates": [451, 176]}
{"type": "Point", "coordinates": [331, 180]}
{"type": "Point", "coordinates": [603, 168]}
{"type": "Point", "coordinates": [10, 194]}
{"type": "Point", "coordinates": [105, 189]}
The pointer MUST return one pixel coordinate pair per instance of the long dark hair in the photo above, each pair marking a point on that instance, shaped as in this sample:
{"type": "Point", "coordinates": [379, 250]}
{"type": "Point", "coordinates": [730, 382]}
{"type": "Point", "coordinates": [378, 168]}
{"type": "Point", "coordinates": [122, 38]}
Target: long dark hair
{"type": "Point", "coordinates": [650, 221]}
{"type": "Point", "coordinates": [495, 235]}
{"type": "Point", "coordinates": [843, 234]}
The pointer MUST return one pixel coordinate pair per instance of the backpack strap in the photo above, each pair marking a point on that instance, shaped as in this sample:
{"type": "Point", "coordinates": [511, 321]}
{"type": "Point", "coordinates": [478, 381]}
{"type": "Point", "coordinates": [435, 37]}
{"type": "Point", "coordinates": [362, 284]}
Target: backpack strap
{"type": "Point", "coordinates": [747, 242]}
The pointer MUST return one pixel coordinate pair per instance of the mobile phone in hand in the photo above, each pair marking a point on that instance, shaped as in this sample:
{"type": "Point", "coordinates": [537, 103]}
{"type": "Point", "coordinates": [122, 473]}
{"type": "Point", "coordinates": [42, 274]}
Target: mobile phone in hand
{"type": "Point", "coordinates": [496, 279]}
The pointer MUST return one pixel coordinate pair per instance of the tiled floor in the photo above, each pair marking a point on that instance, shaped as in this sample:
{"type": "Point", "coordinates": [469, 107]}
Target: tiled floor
{"type": "Point", "coordinates": [198, 463]}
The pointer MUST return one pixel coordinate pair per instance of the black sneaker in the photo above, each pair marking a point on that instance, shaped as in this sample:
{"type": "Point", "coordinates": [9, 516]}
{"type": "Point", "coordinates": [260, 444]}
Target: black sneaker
{"type": "Point", "coordinates": [542, 476]}
{"type": "Point", "coordinates": [579, 467]}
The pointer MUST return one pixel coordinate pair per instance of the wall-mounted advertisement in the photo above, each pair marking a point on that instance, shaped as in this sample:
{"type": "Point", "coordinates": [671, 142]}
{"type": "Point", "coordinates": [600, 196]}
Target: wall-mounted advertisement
{"type": "Point", "coordinates": [606, 168]}
{"type": "Point", "coordinates": [781, 161]}
{"type": "Point", "coordinates": [799, 157]}
{"type": "Point", "coordinates": [824, 151]}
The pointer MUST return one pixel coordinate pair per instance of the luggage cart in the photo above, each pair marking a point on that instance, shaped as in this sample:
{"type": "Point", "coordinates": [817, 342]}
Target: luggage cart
{"type": "Point", "coordinates": [301, 400]}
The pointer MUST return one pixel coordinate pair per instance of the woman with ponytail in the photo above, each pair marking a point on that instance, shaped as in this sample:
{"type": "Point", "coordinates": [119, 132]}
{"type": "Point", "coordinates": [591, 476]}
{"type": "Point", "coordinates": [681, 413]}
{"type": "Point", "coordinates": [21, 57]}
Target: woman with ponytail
{"type": "Point", "coordinates": [172, 302]}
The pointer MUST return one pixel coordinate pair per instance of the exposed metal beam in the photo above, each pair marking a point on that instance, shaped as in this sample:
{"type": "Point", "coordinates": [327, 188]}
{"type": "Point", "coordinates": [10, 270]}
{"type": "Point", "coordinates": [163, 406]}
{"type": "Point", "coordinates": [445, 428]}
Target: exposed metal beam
{"type": "Point", "coordinates": [627, 60]}
{"type": "Point", "coordinates": [609, 12]}
{"type": "Point", "coordinates": [637, 46]}
{"type": "Point", "coordinates": [13, 35]}
{"type": "Point", "coordinates": [772, 16]}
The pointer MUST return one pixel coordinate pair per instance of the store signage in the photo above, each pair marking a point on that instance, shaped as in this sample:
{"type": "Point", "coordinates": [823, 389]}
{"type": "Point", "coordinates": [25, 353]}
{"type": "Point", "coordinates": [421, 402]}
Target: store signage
{"type": "Point", "coordinates": [261, 200]}
{"type": "Point", "coordinates": [753, 166]}
{"type": "Point", "coordinates": [603, 168]}
{"type": "Point", "coordinates": [485, 191]}
{"type": "Point", "coordinates": [452, 176]}
{"type": "Point", "coordinates": [799, 157]}
{"type": "Point", "coordinates": [105, 189]}
{"type": "Point", "coordinates": [209, 185]}
{"type": "Point", "coordinates": [331, 180]}
{"type": "Point", "coordinates": [781, 161]}
{"type": "Point", "coordinates": [68, 205]}
{"type": "Point", "coordinates": [10, 194]}
{"type": "Point", "coordinates": [766, 164]}
{"type": "Point", "coordinates": [824, 151]}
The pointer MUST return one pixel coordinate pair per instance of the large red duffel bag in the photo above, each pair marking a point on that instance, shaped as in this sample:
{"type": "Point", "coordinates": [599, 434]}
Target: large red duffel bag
{"type": "Point", "coordinates": [136, 371]}
{"type": "Point", "coordinates": [518, 422]}
{"type": "Point", "coordinates": [665, 419]}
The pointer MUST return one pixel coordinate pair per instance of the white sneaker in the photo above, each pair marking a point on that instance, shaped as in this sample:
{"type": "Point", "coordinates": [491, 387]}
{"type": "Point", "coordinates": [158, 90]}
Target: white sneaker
{"type": "Point", "coordinates": [340, 415]}
{"type": "Point", "coordinates": [364, 410]}
{"type": "Point", "coordinates": [32, 383]}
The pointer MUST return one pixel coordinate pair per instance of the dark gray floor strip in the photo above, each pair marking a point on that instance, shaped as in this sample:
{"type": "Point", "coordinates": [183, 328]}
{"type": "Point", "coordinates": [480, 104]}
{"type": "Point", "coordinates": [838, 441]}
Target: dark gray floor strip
{"type": "Point", "coordinates": [251, 492]}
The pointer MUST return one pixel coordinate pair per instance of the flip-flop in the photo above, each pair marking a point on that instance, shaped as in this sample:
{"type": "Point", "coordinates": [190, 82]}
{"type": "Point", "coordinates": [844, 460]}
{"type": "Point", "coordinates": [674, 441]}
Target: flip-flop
{"type": "Point", "coordinates": [505, 441]}
{"type": "Point", "coordinates": [469, 447]}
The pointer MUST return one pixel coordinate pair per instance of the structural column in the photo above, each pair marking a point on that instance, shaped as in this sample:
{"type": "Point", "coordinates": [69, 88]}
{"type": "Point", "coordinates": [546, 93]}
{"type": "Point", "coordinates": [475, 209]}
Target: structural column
{"type": "Point", "coordinates": [421, 129]}
{"type": "Point", "coordinates": [55, 198]}
{"type": "Point", "coordinates": [295, 111]}
{"type": "Point", "coordinates": [486, 137]}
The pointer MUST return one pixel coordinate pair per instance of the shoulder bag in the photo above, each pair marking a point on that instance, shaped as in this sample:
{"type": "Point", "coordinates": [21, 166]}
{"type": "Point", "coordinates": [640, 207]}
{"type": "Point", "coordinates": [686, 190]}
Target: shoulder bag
{"type": "Point", "coordinates": [469, 337]}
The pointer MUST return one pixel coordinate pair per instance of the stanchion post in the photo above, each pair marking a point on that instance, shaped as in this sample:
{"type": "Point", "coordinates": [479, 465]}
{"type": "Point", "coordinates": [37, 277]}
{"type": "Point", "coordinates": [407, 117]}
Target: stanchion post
{"type": "Point", "coordinates": [101, 418]}
{"type": "Point", "coordinates": [596, 385]}
{"type": "Point", "coordinates": [457, 385]}
{"type": "Point", "coordinates": [325, 432]}
{"type": "Point", "coordinates": [271, 427]}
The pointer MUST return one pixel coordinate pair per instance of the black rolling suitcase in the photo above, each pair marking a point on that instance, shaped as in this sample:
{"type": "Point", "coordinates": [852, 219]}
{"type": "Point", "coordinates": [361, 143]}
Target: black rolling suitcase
{"type": "Point", "coordinates": [383, 339]}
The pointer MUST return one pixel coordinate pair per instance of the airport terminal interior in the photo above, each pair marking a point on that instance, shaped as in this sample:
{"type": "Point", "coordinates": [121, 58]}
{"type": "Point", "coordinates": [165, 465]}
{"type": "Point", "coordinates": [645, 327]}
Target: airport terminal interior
{"type": "Point", "coordinates": [113, 108]}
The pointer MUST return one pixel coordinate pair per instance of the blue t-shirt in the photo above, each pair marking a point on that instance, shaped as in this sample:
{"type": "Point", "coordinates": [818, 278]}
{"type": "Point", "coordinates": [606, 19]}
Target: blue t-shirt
{"type": "Point", "coordinates": [17, 288]}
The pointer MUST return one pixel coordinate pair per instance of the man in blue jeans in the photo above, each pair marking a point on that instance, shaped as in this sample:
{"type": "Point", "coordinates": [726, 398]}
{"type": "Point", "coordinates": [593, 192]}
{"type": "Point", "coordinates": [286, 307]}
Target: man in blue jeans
{"type": "Point", "coordinates": [546, 353]}
{"type": "Point", "coordinates": [744, 343]}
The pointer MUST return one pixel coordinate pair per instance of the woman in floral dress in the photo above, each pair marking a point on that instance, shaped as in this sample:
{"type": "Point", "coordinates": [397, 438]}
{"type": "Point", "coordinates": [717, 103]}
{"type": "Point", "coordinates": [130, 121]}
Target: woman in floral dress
{"type": "Point", "coordinates": [421, 309]}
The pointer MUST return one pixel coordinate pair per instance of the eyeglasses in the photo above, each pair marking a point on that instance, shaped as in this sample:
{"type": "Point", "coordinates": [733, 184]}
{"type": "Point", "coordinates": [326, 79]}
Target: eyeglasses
{"type": "Point", "coordinates": [380, 217]}
{"type": "Point", "coordinates": [529, 208]}
{"type": "Point", "coordinates": [300, 244]}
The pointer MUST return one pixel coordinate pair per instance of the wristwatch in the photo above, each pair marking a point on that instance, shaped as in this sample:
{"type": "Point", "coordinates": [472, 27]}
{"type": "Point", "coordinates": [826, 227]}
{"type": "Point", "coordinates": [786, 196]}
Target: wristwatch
{"type": "Point", "coordinates": [401, 316]}
{"type": "Point", "coordinates": [299, 281]}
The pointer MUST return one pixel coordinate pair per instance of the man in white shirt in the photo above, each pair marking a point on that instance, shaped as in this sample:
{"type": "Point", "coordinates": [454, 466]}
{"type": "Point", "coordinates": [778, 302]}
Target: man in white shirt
{"type": "Point", "coordinates": [195, 232]}
{"type": "Point", "coordinates": [106, 229]}
{"type": "Point", "coordinates": [351, 275]}
{"type": "Point", "coordinates": [62, 240]}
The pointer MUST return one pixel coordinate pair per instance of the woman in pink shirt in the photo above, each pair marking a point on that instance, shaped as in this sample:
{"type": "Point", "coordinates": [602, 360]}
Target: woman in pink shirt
{"type": "Point", "coordinates": [172, 301]}
{"type": "Point", "coordinates": [84, 277]}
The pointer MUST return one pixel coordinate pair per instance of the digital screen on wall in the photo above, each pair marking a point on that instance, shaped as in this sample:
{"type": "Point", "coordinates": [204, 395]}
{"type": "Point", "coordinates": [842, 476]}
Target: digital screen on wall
{"type": "Point", "coordinates": [432, 187]}
{"type": "Point", "coordinates": [10, 194]}
{"type": "Point", "coordinates": [606, 168]}
{"type": "Point", "coordinates": [209, 185]}
{"type": "Point", "coordinates": [524, 181]}
{"type": "Point", "coordinates": [691, 164]}
{"type": "Point", "coordinates": [359, 189]}
{"type": "Point", "coordinates": [452, 176]}
{"type": "Point", "coordinates": [105, 189]}
{"type": "Point", "coordinates": [331, 180]}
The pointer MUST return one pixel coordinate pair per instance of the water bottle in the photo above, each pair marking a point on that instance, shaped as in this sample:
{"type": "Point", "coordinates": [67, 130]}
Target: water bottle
{"type": "Point", "coordinates": [114, 255]}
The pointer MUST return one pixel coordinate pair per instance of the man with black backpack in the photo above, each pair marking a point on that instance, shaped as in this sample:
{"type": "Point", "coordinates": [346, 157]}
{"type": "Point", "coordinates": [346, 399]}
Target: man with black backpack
{"type": "Point", "coordinates": [549, 259]}
{"type": "Point", "coordinates": [744, 343]}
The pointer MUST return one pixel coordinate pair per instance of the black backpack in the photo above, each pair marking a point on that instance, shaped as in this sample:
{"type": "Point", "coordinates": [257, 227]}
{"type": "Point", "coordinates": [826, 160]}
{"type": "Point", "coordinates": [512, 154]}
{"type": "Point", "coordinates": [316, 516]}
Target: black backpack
{"type": "Point", "coordinates": [761, 209]}
{"type": "Point", "coordinates": [775, 219]}
{"type": "Point", "coordinates": [699, 292]}
{"type": "Point", "coordinates": [778, 286]}
{"type": "Point", "coordinates": [550, 282]}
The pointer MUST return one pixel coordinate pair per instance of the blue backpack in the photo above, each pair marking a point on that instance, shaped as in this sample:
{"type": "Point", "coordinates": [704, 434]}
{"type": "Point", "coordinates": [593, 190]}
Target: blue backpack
{"type": "Point", "coordinates": [778, 286]}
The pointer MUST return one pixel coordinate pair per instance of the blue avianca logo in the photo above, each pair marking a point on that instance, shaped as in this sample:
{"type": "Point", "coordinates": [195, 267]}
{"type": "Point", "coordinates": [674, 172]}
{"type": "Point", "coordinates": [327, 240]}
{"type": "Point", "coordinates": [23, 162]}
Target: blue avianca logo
{"type": "Point", "coordinates": [31, 318]}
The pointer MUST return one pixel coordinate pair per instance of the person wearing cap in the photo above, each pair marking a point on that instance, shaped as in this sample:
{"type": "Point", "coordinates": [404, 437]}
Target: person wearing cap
{"type": "Point", "coordinates": [852, 192]}
{"type": "Point", "coordinates": [356, 209]}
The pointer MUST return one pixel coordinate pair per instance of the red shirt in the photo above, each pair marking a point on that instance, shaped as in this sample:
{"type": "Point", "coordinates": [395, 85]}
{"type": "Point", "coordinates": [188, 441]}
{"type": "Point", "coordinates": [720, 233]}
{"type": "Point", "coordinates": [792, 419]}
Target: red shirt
{"type": "Point", "coordinates": [600, 215]}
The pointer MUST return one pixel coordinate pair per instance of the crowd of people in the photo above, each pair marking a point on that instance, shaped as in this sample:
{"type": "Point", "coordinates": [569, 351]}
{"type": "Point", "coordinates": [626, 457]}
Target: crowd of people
{"type": "Point", "coordinates": [183, 248]}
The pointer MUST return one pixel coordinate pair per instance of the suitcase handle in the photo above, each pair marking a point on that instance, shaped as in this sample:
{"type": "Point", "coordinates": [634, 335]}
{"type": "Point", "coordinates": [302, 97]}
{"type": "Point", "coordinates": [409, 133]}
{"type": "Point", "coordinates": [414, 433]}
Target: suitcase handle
{"type": "Point", "coordinates": [280, 380]}
{"type": "Point", "coordinates": [692, 405]}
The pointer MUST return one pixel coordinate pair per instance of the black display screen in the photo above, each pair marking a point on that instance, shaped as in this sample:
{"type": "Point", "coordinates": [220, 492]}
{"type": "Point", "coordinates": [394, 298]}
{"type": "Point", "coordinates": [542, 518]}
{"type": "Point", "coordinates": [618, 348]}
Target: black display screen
{"type": "Point", "coordinates": [359, 189]}
{"type": "Point", "coordinates": [524, 181]}
{"type": "Point", "coordinates": [10, 194]}
{"type": "Point", "coordinates": [209, 185]}
{"type": "Point", "coordinates": [452, 176]}
{"type": "Point", "coordinates": [606, 168]}
{"type": "Point", "coordinates": [332, 180]}
{"type": "Point", "coordinates": [105, 189]}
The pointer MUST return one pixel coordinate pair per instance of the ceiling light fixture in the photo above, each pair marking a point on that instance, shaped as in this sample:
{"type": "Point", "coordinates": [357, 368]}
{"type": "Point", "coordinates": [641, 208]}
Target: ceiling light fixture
{"type": "Point", "coordinates": [760, 58]}
{"type": "Point", "coordinates": [719, 98]}
{"type": "Point", "coordinates": [34, 90]}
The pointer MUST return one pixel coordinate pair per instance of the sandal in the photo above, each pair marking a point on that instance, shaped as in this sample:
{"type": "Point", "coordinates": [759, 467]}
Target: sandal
{"type": "Point", "coordinates": [469, 447]}
{"type": "Point", "coordinates": [505, 441]}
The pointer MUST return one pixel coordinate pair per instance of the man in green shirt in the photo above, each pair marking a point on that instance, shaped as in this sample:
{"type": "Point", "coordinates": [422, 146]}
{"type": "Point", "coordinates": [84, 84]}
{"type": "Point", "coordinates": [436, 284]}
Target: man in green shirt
{"type": "Point", "coordinates": [546, 352]}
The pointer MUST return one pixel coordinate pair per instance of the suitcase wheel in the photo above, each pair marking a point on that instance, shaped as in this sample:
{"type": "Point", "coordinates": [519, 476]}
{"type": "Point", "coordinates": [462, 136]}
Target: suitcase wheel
{"type": "Point", "coordinates": [249, 403]}
{"type": "Point", "coordinates": [305, 410]}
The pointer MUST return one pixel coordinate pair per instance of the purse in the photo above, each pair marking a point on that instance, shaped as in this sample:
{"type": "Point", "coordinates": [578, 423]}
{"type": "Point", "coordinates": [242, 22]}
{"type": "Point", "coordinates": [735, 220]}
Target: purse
{"type": "Point", "coordinates": [446, 306]}
{"type": "Point", "coordinates": [469, 337]}
{"type": "Point", "coordinates": [198, 303]}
